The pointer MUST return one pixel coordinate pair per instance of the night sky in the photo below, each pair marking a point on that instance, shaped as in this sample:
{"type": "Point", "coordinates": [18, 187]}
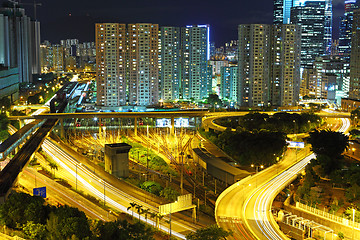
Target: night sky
{"type": "Point", "coordinates": [64, 19]}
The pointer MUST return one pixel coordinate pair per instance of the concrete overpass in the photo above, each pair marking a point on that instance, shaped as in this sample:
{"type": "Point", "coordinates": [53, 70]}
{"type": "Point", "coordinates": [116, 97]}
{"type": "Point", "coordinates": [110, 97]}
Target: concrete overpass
{"type": "Point", "coordinates": [103, 115]}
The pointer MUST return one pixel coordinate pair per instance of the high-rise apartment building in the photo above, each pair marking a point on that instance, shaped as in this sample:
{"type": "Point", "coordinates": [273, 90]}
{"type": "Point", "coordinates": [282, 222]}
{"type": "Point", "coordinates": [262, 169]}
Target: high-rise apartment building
{"type": "Point", "coordinates": [254, 57]}
{"type": "Point", "coordinates": [111, 63]}
{"type": "Point", "coordinates": [57, 53]}
{"type": "Point", "coordinates": [310, 18]}
{"type": "Point", "coordinates": [19, 42]}
{"type": "Point", "coordinates": [354, 92]}
{"type": "Point", "coordinates": [170, 63]}
{"type": "Point", "coordinates": [346, 28]}
{"type": "Point", "coordinates": [195, 53]}
{"type": "Point", "coordinates": [127, 64]}
{"type": "Point", "coordinates": [143, 63]}
{"type": "Point", "coordinates": [269, 60]}
{"type": "Point", "coordinates": [229, 84]}
{"type": "Point", "coordinates": [285, 65]}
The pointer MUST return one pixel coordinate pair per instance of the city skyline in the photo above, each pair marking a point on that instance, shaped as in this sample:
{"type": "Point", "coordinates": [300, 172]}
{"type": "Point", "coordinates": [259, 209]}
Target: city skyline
{"type": "Point", "coordinates": [65, 19]}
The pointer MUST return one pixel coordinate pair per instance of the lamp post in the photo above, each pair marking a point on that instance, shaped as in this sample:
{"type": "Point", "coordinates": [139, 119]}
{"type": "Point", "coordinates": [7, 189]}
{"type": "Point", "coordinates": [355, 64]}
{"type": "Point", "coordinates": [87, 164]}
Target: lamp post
{"type": "Point", "coordinates": [76, 175]}
{"type": "Point", "coordinates": [353, 223]}
{"type": "Point", "coordinates": [182, 173]}
{"type": "Point", "coordinates": [102, 181]}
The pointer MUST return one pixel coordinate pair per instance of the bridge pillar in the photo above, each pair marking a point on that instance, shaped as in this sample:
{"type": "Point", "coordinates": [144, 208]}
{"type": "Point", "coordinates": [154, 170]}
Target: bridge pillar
{"type": "Point", "coordinates": [62, 132]}
{"type": "Point", "coordinates": [135, 126]}
{"type": "Point", "coordinates": [99, 128]}
{"type": "Point", "coordinates": [20, 124]}
{"type": "Point", "coordinates": [172, 126]}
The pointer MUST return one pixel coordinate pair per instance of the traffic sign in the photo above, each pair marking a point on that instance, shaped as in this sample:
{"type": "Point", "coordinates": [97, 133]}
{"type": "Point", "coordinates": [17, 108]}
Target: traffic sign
{"type": "Point", "coordinates": [41, 191]}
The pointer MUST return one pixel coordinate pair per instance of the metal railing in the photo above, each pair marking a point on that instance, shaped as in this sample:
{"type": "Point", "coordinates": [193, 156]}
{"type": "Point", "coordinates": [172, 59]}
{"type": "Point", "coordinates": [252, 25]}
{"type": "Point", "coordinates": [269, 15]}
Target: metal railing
{"type": "Point", "coordinates": [327, 215]}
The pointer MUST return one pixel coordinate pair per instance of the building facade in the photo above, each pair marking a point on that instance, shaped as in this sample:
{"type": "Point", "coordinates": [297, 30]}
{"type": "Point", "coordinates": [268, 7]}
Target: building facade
{"type": "Point", "coordinates": [195, 53]}
{"type": "Point", "coordinates": [170, 63]}
{"type": "Point", "coordinates": [254, 57]}
{"type": "Point", "coordinates": [346, 28]}
{"type": "Point", "coordinates": [285, 65]}
{"type": "Point", "coordinates": [111, 64]}
{"type": "Point", "coordinates": [229, 84]}
{"type": "Point", "coordinates": [310, 18]}
{"type": "Point", "coordinates": [19, 42]}
{"type": "Point", "coordinates": [269, 65]}
{"type": "Point", "coordinates": [354, 92]}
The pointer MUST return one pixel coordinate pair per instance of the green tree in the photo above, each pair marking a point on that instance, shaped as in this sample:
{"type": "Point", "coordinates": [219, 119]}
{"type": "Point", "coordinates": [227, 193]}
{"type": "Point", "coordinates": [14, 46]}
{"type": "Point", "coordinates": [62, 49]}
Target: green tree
{"type": "Point", "coordinates": [34, 230]}
{"type": "Point", "coordinates": [209, 233]}
{"type": "Point", "coordinates": [353, 193]}
{"type": "Point", "coordinates": [65, 221]}
{"type": "Point", "coordinates": [119, 230]}
{"type": "Point", "coordinates": [169, 193]}
{"type": "Point", "coordinates": [151, 187]}
{"type": "Point", "coordinates": [355, 116]}
{"type": "Point", "coordinates": [53, 166]}
{"type": "Point", "coordinates": [328, 146]}
{"type": "Point", "coordinates": [20, 208]}
{"type": "Point", "coordinates": [214, 100]}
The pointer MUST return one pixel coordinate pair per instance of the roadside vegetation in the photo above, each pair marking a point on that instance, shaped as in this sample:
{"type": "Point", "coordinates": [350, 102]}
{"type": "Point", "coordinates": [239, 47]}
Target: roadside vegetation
{"type": "Point", "coordinates": [331, 182]}
{"type": "Point", "coordinates": [31, 218]}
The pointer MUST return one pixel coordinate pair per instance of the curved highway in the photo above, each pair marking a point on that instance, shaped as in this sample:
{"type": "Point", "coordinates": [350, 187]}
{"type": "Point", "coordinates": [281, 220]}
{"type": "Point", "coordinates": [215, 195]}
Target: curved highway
{"type": "Point", "coordinates": [245, 207]}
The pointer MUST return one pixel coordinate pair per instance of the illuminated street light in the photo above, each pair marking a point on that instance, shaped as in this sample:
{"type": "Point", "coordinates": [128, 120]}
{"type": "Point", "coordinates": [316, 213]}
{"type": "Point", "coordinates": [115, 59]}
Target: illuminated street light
{"type": "Point", "coordinates": [102, 181]}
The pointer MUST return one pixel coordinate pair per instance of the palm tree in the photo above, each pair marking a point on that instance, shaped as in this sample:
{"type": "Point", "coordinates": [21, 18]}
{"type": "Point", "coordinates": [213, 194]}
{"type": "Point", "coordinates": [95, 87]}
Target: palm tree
{"type": "Point", "coordinates": [154, 216]}
{"type": "Point", "coordinates": [146, 212]}
{"type": "Point", "coordinates": [138, 208]}
{"type": "Point", "coordinates": [53, 167]}
{"type": "Point", "coordinates": [158, 219]}
{"type": "Point", "coordinates": [132, 206]}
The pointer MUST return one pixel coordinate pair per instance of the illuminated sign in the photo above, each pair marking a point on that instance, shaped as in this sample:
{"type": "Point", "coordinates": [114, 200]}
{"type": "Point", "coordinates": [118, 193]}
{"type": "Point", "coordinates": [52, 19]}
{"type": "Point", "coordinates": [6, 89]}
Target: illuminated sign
{"type": "Point", "coordinates": [178, 122]}
{"type": "Point", "coordinates": [293, 144]}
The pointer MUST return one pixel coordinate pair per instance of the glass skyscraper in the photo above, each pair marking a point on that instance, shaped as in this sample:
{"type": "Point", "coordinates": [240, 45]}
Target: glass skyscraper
{"type": "Point", "coordinates": [346, 28]}
{"type": "Point", "coordinates": [282, 14]}
{"type": "Point", "coordinates": [310, 18]}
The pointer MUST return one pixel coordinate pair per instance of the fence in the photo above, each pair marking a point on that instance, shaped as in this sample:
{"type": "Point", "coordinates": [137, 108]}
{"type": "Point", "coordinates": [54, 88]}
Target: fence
{"type": "Point", "coordinates": [327, 215]}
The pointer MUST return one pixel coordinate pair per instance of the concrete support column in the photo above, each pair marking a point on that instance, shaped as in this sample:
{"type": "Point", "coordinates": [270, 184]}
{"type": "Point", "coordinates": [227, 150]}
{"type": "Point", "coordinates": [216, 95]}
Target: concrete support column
{"type": "Point", "coordinates": [99, 128]}
{"type": "Point", "coordinates": [62, 132]}
{"type": "Point", "coordinates": [21, 123]}
{"type": "Point", "coordinates": [135, 126]}
{"type": "Point", "coordinates": [172, 126]}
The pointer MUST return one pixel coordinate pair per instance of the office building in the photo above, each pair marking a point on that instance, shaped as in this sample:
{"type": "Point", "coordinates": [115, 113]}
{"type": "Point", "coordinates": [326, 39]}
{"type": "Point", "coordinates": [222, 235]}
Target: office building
{"type": "Point", "coordinates": [346, 22]}
{"type": "Point", "coordinates": [310, 18]}
{"type": "Point", "coordinates": [195, 53]}
{"type": "Point", "coordinates": [170, 63]}
{"type": "Point", "coordinates": [354, 92]}
{"type": "Point", "coordinates": [328, 79]}
{"type": "Point", "coordinates": [282, 14]}
{"type": "Point", "coordinates": [111, 64]}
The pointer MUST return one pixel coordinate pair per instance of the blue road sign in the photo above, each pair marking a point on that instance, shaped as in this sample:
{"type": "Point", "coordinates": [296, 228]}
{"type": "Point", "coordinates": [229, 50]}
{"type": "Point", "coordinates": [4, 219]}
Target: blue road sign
{"type": "Point", "coordinates": [41, 191]}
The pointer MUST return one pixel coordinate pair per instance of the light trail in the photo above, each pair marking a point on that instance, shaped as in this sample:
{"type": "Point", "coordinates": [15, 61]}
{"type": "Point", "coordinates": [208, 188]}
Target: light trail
{"type": "Point", "coordinates": [266, 194]}
{"type": "Point", "coordinates": [61, 157]}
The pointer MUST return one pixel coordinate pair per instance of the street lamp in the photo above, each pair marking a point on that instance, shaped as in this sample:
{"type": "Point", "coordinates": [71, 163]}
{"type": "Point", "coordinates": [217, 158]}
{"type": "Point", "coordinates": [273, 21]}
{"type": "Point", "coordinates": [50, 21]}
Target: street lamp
{"type": "Point", "coordinates": [103, 181]}
{"type": "Point", "coordinates": [353, 222]}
